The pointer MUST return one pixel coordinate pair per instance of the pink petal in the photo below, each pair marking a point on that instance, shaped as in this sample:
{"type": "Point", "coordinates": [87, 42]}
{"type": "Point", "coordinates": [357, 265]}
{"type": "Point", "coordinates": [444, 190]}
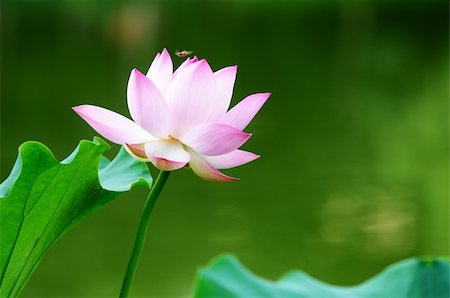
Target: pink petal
{"type": "Point", "coordinates": [190, 97]}
{"type": "Point", "coordinates": [137, 151]}
{"type": "Point", "coordinates": [230, 160]}
{"type": "Point", "coordinates": [160, 72]}
{"type": "Point", "coordinates": [147, 106]}
{"type": "Point", "coordinates": [167, 155]}
{"type": "Point", "coordinates": [206, 171]}
{"type": "Point", "coordinates": [113, 126]}
{"type": "Point", "coordinates": [224, 83]}
{"type": "Point", "coordinates": [187, 62]}
{"type": "Point", "coordinates": [214, 139]}
{"type": "Point", "coordinates": [241, 114]}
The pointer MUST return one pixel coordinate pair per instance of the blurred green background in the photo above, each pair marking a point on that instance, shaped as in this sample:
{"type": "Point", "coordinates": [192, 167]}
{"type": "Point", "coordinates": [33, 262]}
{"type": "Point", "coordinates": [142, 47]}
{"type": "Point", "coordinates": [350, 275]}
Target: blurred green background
{"type": "Point", "coordinates": [354, 140]}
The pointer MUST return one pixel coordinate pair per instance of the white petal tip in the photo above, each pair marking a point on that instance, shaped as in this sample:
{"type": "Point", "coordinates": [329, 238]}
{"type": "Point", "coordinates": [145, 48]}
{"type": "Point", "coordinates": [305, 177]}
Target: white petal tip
{"type": "Point", "coordinates": [225, 178]}
{"type": "Point", "coordinates": [165, 164]}
{"type": "Point", "coordinates": [136, 152]}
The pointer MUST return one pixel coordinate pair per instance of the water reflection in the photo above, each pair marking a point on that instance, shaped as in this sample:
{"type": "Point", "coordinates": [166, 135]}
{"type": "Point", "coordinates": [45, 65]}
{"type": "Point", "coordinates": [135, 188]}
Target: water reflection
{"type": "Point", "coordinates": [381, 221]}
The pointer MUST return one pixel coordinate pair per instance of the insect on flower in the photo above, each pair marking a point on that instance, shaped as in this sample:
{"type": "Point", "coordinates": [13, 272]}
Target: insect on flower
{"type": "Point", "coordinates": [181, 118]}
{"type": "Point", "coordinates": [183, 53]}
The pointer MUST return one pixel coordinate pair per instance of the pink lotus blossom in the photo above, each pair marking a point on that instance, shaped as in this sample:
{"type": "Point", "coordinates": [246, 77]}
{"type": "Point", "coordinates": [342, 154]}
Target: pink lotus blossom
{"type": "Point", "coordinates": [181, 118]}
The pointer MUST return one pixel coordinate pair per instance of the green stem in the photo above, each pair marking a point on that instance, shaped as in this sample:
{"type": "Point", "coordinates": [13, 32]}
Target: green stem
{"type": "Point", "coordinates": [142, 232]}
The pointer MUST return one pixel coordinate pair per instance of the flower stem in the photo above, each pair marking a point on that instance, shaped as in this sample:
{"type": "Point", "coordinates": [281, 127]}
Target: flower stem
{"type": "Point", "coordinates": [142, 232]}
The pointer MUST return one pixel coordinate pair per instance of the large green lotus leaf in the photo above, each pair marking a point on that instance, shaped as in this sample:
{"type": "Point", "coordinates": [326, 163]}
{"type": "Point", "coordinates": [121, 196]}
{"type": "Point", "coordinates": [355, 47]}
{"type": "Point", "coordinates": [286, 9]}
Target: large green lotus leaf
{"type": "Point", "coordinates": [226, 277]}
{"type": "Point", "coordinates": [42, 199]}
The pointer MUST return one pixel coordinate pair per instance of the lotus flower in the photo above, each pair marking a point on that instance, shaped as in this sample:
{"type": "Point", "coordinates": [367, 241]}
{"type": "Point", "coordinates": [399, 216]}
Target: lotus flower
{"type": "Point", "coordinates": [181, 118]}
